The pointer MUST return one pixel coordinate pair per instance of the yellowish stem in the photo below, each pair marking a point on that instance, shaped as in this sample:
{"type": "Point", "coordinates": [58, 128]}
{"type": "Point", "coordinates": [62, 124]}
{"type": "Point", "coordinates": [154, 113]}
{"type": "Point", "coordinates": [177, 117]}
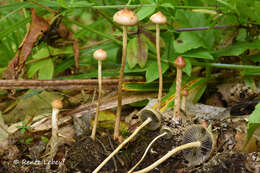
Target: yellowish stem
{"type": "Point", "coordinates": [93, 134]}
{"type": "Point", "coordinates": [119, 106]}
{"type": "Point", "coordinates": [177, 95]}
{"type": "Point", "coordinates": [159, 66]}
{"type": "Point", "coordinates": [196, 144]}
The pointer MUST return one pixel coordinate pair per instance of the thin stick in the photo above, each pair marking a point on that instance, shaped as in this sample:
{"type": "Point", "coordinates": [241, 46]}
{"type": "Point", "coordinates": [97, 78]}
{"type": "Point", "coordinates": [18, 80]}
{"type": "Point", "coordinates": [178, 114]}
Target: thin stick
{"type": "Point", "coordinates": [147, 121]}
{"type": "Point", "coordinates": [159, 66]}
{"type": "Point", "coordinates": [119, 107]}
{"type": "Point", "coordinates": [146, 151]}
{"type": "Point", "coordinates": [93, 134]}
{"type": "Point", "coordinates": [196, 144]}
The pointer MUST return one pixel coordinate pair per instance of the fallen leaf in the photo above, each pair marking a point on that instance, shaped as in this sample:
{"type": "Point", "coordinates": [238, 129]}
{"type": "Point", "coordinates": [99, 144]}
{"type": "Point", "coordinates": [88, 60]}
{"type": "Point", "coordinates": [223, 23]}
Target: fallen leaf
{"type": "Point", "coordinates": [37, 28]}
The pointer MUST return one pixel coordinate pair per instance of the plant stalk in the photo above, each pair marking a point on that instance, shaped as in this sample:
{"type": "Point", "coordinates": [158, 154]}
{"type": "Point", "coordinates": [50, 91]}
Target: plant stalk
{"type": "Point", "coordinates": [176, 111]}
{"type": "Point", "coordinates": [196, 144]}
{"type": "Point", "coordinates": [93, 134]}
{"type": "Point", "coordinates": [119, 107]}
{"type": "Point", "coordinates": [159, 66]}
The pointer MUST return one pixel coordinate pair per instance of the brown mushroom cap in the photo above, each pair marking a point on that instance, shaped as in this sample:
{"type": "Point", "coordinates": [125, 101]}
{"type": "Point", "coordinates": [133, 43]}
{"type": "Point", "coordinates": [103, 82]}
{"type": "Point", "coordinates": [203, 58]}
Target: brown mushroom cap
{"type": "Point", "coordinates": [179, 62]}
{"type": "Point", "coordinates": [168, 130]}
{"type": "Point", "coordinates": [185, 92]}
{"type": "Point", "coordinates": [57, 104]}
{"type": "Point", "coordinates": [100, 54]}
{"type": "Point", "coordinates": [154, 115]}
{"type": "Point", "coordinates": [158, 18]}
{"type": "Point", "coordinates": [125, 17]}
{"type": "Point", "coordinates": [194, 133]}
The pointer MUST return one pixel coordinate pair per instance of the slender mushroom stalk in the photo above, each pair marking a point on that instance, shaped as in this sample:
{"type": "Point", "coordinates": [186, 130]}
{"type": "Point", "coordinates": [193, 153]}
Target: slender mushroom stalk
{"type": "Point", "coordinates": [198, 144]}
{"type": "Point", "coordinates": [179, 63]}
{"type": "Point", "coordinates": [185, 94]}
{"type": "Point", "coordinates": [99, 55]}
{"type": "Point", "coordinates": [151, 120]}
{"type": "Point", "coordinates": [56, 107]}
{"type": "Point", "coordinates": [158, 19]}
{"type": "Point", "coordinates": [125, 18]}
{"type": "Point", "coordinates": [165, 132]}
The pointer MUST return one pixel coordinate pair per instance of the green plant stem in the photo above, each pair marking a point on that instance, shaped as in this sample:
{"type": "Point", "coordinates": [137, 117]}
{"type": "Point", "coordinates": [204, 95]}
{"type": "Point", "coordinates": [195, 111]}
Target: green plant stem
{"type": "Point", "coordinates": [94, 31]}
{"type": "Point", "coordinates": [159, 66]}
{"type": "Point", "coordinates": [121, 76]}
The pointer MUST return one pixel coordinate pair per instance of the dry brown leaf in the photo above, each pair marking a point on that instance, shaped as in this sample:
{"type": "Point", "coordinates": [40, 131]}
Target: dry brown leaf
{"type": "Point", "coordinates": [37, 28]}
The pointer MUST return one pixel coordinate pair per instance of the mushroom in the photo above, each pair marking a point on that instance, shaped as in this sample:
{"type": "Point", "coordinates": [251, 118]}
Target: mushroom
{"type": "Point", "coordinates": [179, 63]}
{"type": "Point", "coordinates": [198, 144]}
{"type": "Point", "coordinates": [99, 55]}
{"type": "Point", "coordinates": [124, 17]}
{"type": "Point", "coordinates": [151, 120]}
{"type": "Point", "coordinates": [56, 107]}
{"type": "Point", "coordinates": [158, 19]}
{"type": "Point", "coordinates": [165, 132]}
{"type": "Point", "coordinates": [185, 94]}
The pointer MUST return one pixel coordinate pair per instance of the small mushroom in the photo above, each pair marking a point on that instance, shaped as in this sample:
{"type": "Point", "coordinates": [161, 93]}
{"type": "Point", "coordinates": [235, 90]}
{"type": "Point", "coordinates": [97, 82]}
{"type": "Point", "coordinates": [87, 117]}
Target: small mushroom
{"type": "Point", "coordinates": [165, 132]}
{"type": "Point", "coordinates": [124, 17]}
{"type": "Point", "coordinates": [99, 55]}
{"type": "Point", "coordinates": [150, 118]}
{"type": "Point", "coordinates": [56, 107]}
{"type": "Point", "coordinates": [200, 133]}
{"type": "Point", "coordinates": [185, 94]}
{"type": "Point", "coordinates": [159, 19]}
{"type": "Point", "coordinates": [198, 143]}
{"type": "Point", "coordinates": [179, 63]}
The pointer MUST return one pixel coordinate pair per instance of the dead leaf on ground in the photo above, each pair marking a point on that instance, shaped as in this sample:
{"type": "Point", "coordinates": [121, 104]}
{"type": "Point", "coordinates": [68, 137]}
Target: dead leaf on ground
{"type": "Point", "coordinates": [37, 28]}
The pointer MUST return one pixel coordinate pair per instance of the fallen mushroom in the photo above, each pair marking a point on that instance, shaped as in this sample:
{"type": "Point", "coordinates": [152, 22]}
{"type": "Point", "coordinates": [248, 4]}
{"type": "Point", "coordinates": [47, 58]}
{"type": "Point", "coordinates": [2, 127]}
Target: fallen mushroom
{"type": "Point", "coordinates": [125, 18]}
{"type": "Point", "coordinates": [179, 63]}
{"type": "Point", "coordinates": [99, 55]}
{"type": "Point", "coordinates": [165, 132]}
{"type": "Point", "coordinates": [151, 120]}
{"type": "Point", "coordinates": [198, 144]}
{"type": "Point", "coordinates": [185, 94]}
{"type": "Point", "coordinates": [158, 19]}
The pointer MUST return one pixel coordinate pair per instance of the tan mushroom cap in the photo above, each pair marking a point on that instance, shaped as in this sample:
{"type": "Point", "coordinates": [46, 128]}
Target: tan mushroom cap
{"type": "Point", "coordinates": [57, 104]}
{"type": "Point", "coordinates": [158, 18]}
{"type": "Point", "coordinates": [168, 131]}
{"type": "Point", "coordinates": [125, 17]}
{"type": "Point", "coordinates": [100, 54]}
{"type": "Point", "coordinates": [185, 92]}
{"type": "Point", "coordinates": [179, 62]}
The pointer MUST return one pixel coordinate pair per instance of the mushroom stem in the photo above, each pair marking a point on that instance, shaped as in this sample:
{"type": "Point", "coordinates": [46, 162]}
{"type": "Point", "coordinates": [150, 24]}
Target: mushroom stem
{"type": "Point", "coordinates": [146, 151]}
{"type": "Point", "coordinates": [147, 121]}
{"type": "Point", "coordinates": [196, 144]}
{"type": "Point", "coordinates": [183, 103]}
{"type": "Point", "coordinates": [159, 66]}
{"type": "Point", "coordinates": [177, 95]}
{"type": "Point", "coordinates": [54, 124]}
{"type": "Point", "coordinates": [93, 134]}
{"type": "Point", "coordinates": [119, 106]}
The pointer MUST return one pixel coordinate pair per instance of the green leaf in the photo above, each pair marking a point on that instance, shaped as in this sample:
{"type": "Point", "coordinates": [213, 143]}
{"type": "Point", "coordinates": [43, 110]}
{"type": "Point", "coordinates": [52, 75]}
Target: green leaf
{"type": "Point", "coordinates": [132, 53]}
{"type": "Point", "coordinates": [238, 48]}
{"type": "Point", "coordinates": [144, 12]}
{"type": "Point", "coordinates": [28, 140]}
{"type": "Point", "coordinates": [188, 68]}
{"type": "Point", "coordinates": [187, 41]}
{"type": "Point", "coordinates": [253, 123]}
{"type": "Point", "coordinates": [45, 139]}
{"type": "Point", "coordinates": [137, 52]}
{"type": "Point", "coordinates": [152, 71]}
{"type": "Point", "coordinates": [62, 3]}
{"type": "Point", "coordinates": [198, 53]}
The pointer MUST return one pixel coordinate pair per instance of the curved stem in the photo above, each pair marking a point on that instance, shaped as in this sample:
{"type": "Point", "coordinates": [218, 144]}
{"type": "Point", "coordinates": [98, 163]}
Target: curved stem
{"type": "Point", "coordinates": [147, 121]}
{"type": "Point", "coordinates": [119, 107]}
{"type": "Point", "coordinates": [146, 151]}
{"type": "Point", "coordinates": [177, 95]}
{"type": "Point", "coordinates": [169, 154]}
{"type": "Point", "coordinates": [159, 66]}
{"type": "Point", "coordinates": [93, 134]}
